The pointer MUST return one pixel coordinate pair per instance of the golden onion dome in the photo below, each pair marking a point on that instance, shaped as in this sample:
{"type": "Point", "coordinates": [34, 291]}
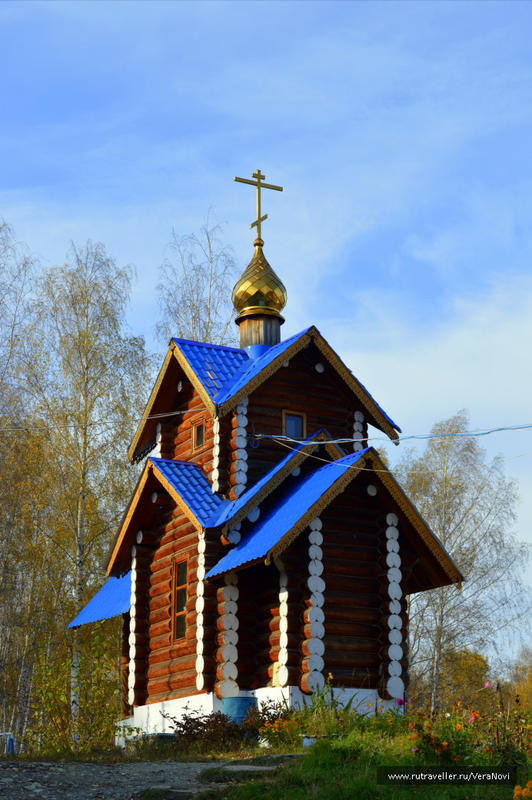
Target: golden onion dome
{"type": "Point", "coordinates": [259, 290]}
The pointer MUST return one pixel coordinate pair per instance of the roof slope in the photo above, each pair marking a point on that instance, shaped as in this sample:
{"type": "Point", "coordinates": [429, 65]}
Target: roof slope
{"type": "Point", "coordinates": [235, 510]}
{"type": "Point", "coordinates": [113, 599]}
{"type": "Point", "coordinates": [213, 365]}
{"type": "Point", "coordinates": [308, 497]}
{"type": "Point", "coordinates": [223, 376]}
{"type": "Point", "coordinates": [187, 486]}
{"type": "Point", "coordinates": [187, 483]}
{"type": "Point", "coordinates": [298, 504]}
{"type": "Point", "coordinates": [255, 367]}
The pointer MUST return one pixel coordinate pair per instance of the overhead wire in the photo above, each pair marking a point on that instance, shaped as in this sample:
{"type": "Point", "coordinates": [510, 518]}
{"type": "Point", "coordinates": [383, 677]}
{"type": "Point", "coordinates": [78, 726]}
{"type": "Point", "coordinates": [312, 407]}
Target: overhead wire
{"type": "Point", "coordinates": [93, 424]}
{"type": "Point", "coordinates": [410, 437]}
{"type": "Point", "coordinates": [283, 438]}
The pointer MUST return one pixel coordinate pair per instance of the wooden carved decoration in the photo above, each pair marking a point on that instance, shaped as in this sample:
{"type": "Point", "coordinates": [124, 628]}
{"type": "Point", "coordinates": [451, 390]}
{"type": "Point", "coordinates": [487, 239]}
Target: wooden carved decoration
{"type": "Point", "coordinates": [314, 631]}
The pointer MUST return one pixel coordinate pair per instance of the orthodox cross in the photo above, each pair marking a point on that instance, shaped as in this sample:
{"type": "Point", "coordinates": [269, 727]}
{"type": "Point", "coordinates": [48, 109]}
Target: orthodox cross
{"type": "Point", "coordinates": [258, 183]}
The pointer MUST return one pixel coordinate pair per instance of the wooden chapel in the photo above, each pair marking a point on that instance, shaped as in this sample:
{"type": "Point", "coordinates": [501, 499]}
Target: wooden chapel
{"type": "Point", "coordinates": [257, 554]}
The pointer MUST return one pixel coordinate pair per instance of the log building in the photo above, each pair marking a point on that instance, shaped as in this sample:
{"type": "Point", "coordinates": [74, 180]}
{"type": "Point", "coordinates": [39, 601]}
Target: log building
{"type": "Point", "coordinates": [257, 554]}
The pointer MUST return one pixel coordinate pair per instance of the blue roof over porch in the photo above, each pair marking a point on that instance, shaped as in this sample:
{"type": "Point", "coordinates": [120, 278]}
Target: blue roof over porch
{"type": "Point", "coordinates": [112, 600]}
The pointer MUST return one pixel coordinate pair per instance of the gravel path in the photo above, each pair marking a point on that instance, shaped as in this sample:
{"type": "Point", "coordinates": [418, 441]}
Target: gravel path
{"type": "Point", "coordinates": [26, 780]}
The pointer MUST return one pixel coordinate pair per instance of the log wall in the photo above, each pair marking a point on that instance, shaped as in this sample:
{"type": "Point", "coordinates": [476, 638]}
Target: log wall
{"type": "Point", "coordinates": [356, 595]}
{"type": "Point", "coordinates": [176, 434]}
{"type": "Point", "coordinates": [171, 665]}
{"type": "Point", "coordinates": [322, 396]}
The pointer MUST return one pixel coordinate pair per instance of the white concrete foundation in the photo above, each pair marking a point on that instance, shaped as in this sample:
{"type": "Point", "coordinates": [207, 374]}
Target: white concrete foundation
{"type": "Point", "coordinates": [148, 719]}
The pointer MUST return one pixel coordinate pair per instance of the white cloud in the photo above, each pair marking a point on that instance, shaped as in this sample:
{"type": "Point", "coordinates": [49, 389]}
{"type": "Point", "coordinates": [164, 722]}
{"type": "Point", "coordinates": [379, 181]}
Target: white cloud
{"type": "Point", "coordinates": [478, 360]}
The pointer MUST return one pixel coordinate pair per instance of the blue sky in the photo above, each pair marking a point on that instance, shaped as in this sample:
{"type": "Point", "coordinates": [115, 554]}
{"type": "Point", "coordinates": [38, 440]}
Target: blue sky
{"type": "Point", "coordinates": [401, 133]}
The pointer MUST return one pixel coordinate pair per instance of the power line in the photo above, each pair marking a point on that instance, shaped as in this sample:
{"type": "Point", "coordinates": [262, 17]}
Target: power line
{"type": "Point", "coordinates": [94, 424]}
{"type": "Point", "coordinates": [414, 436]}
{"type": "Point", "coordinates": [279, 437]}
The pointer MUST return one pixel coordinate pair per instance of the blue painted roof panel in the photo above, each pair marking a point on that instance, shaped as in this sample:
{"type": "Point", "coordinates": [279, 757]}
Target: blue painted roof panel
{"type": "Point", "coordinates": [214, 365]}
{"type": "Point", "coordinates": [192, 486]}
{"type": "Point", "coordinates": [254, 367]}
{"type": "Point", "coordinates": [289, 509]}
{"type": "Point", "coordinates": [229, 509]}
{"type": "Point", "coordinates": [113, 599]}
{"type": "Point", "coordinates": [224, 371]}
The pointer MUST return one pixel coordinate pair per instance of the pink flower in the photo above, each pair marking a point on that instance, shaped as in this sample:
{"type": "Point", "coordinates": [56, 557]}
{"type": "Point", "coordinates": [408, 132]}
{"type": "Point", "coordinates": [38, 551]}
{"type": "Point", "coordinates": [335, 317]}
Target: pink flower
{"type": "Point", "coordinates": [400, 702]}
{"type": "Point", "coordinates": [487, 685]}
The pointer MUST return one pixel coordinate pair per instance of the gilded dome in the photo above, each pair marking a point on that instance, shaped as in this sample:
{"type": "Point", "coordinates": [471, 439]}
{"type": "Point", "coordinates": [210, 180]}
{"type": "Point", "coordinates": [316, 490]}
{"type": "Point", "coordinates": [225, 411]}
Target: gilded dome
{"type": "Point", "coordinates": [259, 289]}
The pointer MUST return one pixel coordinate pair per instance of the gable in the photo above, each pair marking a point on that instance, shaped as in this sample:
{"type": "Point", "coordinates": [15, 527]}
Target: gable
{"type": "Point", "coordinates": [290, 515]}
{"type": "Point", "coordinates": [163, 403]}
{"type": "Point", "coordinates": [233, 512]}
{"type": "Point", "coordinates": [312, 494]}
{"type": "Point", "coordinates": [277, 356]}
{"type": "Point", "coordinates": [184, 484]}
{"type": "Point", "coordinates": [224, 376]}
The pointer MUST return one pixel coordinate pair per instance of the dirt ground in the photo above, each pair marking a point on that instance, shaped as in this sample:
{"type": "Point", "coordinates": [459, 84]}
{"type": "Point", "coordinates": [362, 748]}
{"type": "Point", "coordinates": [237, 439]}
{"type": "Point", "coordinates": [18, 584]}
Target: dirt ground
{"type": "Point", "coordinates": [26, 780]}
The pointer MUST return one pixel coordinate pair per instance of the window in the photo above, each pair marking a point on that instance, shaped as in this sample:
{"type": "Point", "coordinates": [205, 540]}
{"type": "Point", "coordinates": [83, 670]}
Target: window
{"type": "Point", "coordinates": [179, 599]}
{"type": "Point", "coordinates": [294, 425]}
{"type": "Point", "coordinates": [198, 435]}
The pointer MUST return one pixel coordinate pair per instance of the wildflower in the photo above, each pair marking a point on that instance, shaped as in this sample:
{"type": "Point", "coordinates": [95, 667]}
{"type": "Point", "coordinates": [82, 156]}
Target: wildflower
{"type": "Point", "coordinates": [458, 727]}
{"type": "Point", "coordinates": [330, 676]}
{"type": "Point", "coordinates": [413, 749]}
{"type": "Point", "coordinates": [457, 758]}
{"type": "Point", "coordinates": [486, 750]}
{"type": "Point", "coordinates": [487, 685]}
{"type": "Point", "coordinates": [411, 726]}
{"type": "Point", "coordinates": [414, 736]}
{"type": "Point", "coordinates": [445, 745]}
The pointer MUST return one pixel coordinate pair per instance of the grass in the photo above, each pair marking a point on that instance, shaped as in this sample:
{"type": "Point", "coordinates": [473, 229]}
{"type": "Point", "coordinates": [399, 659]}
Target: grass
{"type": "Point", "coordinates": [347, 770]}
{"type": "Point", "coordinates": [343, 763]}
{"type": "Point", "coordinates": [223, 775]}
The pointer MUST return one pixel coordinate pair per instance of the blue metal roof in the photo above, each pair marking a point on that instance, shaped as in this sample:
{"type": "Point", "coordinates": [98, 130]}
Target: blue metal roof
{"type": "Point", "coordinates": [224, 371]}
{"type": "Point", "coordinates": [288, 510]}
{"type": "Point", "coordinates": [229, 509]}
{"type": "Point", "coordinates": [254, 367]}
{"type": "Point", "coordinates": [192, 486]}
{"type": "Point", "coordinates": [214, 365]}
{"type": "Point", "coordinates": [113, 599]}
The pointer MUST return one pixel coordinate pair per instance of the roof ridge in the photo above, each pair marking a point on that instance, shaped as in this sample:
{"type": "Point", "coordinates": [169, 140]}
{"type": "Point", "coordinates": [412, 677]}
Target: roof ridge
{"type": "Point", "coordinates": [179, 340]}
{"type": "Point", "coordinates": [177, 461]}
{"type": "Point", "coordinates": [262, 488]}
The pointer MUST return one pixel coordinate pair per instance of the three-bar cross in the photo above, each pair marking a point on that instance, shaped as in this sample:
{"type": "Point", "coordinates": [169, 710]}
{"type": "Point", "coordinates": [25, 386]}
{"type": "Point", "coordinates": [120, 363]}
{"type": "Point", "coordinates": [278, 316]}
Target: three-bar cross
{"type": "Point", "coordinates": [258, 183]}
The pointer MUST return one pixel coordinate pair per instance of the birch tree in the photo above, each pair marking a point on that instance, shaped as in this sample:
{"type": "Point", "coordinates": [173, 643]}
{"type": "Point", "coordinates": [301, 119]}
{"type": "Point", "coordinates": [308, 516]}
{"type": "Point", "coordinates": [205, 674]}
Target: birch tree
{"type": "Point", "coordinates": [195, 288]}
{"type": "Point", "coordinates": [15, 582]}
{"type": "Point", "coordinates": [15, 273]}
{"type": "Point", "coordinates": [86, 378]}
{"type": "Point", "coordinates": [470, 505]}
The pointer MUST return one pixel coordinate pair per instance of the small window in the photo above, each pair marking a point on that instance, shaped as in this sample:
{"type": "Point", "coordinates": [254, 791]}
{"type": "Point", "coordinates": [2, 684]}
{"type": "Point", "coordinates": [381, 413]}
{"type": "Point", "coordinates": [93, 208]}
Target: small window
{"type": "Point", "coordinates": [294, 425]}
{"type": "Point", "coordinates": [198, 435]}
{"type": "Point", "coordinates": [179, 599]}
